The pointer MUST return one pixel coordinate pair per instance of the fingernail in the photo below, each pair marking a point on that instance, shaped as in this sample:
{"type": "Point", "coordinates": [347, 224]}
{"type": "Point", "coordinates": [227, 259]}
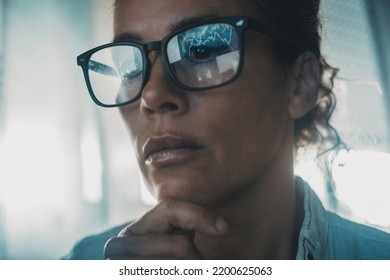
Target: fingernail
{"type": "Point", "coordinates": [220, 224]}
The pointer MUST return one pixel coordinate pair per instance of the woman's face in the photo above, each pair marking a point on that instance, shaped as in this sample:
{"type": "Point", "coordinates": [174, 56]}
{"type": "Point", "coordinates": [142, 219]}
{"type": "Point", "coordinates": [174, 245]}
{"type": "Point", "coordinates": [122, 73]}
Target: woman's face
{"type": "Point", "coordinates": [204, 146]}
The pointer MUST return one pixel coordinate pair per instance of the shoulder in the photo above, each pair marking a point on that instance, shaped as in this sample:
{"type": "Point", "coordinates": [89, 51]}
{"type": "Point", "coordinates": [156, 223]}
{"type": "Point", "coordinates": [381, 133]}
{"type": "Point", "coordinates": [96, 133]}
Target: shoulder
{"type": "Point", "coordinates": [91, 247]}
{"type": "Point", "coordinates": [350, 240]}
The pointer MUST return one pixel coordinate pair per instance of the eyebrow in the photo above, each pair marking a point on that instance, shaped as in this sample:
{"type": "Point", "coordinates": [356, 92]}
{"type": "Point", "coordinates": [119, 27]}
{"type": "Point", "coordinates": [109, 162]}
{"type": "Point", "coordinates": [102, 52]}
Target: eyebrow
{"type": "Point", "coordinates": [134, 37]}
{"type": "Point", "coordinates": [127, 37]}
{"type": "Point", "coordinates": [191, 20]}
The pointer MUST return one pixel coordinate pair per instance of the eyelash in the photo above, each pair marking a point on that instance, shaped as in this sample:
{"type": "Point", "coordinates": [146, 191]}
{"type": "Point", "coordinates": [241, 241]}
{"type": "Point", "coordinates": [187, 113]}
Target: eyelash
{"type": "Point", "coordinates": [131, 76]}
{"type": "Point", "coordinates": [214, 51]}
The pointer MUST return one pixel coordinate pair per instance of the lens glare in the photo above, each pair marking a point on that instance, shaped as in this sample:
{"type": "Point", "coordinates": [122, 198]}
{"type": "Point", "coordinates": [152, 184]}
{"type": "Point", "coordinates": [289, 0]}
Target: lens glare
{"type": "Point", "coordinates": [204, 56]}
{"type": "Point", "coordinates": [116, 74]}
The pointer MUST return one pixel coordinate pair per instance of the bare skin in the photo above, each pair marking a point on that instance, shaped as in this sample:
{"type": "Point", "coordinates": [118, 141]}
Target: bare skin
{"type": "Point", "coordinates": [233, 197]}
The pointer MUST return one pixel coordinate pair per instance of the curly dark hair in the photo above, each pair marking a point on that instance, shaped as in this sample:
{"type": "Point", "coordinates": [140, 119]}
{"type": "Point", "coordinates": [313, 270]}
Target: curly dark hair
{"type": "Point", "coordinates": [300, 19]}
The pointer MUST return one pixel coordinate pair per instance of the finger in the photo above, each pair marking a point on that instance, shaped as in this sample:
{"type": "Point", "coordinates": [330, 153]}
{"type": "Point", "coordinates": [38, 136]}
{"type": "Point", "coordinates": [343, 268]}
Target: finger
{"type": "Point", "coordinates": [153, 246]}
{"type": "Point", "coordinates": [179, 231]}
{"type": "Point", "coordinates": [173, 213]}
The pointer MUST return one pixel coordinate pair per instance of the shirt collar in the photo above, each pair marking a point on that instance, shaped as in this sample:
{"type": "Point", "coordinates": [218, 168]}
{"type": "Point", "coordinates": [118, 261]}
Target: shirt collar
{"type": "Point", "coordinates": [313, 234]}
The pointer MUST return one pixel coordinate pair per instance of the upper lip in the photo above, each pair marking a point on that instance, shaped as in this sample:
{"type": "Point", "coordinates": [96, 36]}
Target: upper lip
{"type": "Point", "coordinates": [164, 142]}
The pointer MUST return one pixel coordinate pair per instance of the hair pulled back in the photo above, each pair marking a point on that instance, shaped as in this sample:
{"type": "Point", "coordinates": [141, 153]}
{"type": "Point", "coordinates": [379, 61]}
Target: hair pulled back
{"type": "Point", "coordinates": [300, 19]}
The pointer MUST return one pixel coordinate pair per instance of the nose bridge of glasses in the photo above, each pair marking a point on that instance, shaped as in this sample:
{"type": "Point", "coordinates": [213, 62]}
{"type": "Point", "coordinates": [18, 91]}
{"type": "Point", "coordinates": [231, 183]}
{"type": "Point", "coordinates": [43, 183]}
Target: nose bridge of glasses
{"type": "Point", "coordinates": [152, 46]}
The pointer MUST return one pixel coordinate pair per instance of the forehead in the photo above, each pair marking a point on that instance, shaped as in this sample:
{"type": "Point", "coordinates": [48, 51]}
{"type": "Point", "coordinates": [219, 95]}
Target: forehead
{"type": "Point", "coordinates": [153, 19]}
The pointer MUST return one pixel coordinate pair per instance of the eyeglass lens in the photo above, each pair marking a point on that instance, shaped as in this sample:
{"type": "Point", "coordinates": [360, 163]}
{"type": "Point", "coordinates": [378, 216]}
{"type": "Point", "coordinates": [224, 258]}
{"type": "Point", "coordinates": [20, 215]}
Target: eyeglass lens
{"type": "Point", "coordinates": [116, 74]}
{"type": "Point", "coordinates": [200, 57]}
{"type": "Point", "coordinates": [204, 56]}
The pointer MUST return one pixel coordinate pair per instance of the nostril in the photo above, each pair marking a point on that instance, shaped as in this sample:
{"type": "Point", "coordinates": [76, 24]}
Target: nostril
{"type": "Point", "coordinates": [169, 106]}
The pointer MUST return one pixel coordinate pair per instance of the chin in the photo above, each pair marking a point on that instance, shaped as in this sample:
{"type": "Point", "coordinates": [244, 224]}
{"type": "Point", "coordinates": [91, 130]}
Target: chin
{"type": "Point", "coordinates": [180, 189]}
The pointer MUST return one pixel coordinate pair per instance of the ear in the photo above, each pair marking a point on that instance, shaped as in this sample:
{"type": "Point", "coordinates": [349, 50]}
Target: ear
{"type": "Point", "coordinates": [306, 76]}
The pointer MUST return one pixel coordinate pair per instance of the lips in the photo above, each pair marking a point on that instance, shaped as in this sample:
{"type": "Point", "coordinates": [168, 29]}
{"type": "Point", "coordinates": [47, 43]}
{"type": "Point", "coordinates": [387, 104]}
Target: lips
{"type": "Point", "coordinates": [168, 149]}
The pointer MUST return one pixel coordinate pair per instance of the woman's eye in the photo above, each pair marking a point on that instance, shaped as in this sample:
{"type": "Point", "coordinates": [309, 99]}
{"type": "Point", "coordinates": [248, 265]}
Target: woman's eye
{"type": "Point", "coordinates": [201, 52]}
{"type": "Point", "coordinates": [204, 53]}
{"type": "Point", "coordinates": [128, 76]}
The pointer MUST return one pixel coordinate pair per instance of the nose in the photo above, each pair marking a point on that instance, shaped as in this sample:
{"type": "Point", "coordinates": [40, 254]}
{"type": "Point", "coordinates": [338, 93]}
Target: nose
{"type": "Point", "coordinates": [161, 96]}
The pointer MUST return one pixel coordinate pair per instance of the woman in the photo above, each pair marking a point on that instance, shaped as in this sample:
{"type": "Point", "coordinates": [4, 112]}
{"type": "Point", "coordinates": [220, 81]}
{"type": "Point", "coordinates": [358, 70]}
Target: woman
{"type": "Point", "coordinates": [218, 96]}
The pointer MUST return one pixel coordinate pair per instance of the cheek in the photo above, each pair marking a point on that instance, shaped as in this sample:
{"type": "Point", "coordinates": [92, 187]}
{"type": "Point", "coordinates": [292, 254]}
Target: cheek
{"type": "Point", "coordinates": [251, 121]}
{"type": "Point", "coordinates": [252, 127]}
{"type": "Point", "coordinates": [135, 126]}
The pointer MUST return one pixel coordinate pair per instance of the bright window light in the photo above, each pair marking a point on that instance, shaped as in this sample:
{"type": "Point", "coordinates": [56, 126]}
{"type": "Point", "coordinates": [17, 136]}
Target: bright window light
{"type": "Point", "coordinates": [363, 184]}
{"type": "Point", "coordinates": [91, 164]}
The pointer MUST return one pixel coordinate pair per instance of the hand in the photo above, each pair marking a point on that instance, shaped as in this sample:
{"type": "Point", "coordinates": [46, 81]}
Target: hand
{"type": "Point", "coordinates": [165, 232]}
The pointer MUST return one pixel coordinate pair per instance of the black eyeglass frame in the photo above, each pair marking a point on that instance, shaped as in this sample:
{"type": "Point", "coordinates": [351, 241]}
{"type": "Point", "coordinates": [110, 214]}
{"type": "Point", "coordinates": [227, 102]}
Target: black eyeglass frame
{"type": "Point", "coordinates": [240, 24]}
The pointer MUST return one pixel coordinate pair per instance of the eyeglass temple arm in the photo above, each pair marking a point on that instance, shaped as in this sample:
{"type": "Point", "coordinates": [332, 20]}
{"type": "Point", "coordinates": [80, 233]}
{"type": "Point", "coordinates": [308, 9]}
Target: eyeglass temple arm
{"type": "Point", "coordinates": [273, 32]}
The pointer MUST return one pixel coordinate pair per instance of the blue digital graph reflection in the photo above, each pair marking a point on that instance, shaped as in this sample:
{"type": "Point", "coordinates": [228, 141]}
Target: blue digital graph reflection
{"type": "Point", "coordinates": [206, 37]}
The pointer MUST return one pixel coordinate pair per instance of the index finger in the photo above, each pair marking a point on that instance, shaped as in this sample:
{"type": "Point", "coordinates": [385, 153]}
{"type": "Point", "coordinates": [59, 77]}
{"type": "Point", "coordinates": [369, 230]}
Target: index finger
{"type": "Point", "coordinates": [170, 214]}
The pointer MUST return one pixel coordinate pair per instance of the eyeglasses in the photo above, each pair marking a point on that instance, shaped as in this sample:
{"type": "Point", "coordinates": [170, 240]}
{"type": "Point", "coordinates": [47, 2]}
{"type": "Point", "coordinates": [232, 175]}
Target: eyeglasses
{"type": "Point", "coordinates": [198, 57]}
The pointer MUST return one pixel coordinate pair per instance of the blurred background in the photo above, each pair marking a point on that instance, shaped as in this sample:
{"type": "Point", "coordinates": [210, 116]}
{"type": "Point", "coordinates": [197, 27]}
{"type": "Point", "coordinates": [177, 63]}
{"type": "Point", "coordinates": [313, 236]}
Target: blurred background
{"type": "Point", "coordinates": [67, 168]}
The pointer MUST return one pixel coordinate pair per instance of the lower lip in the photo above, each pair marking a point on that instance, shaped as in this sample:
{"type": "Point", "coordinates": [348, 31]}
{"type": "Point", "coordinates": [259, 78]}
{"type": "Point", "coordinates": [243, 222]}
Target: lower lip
{"type": "Point", "coordinates": [171, 156]}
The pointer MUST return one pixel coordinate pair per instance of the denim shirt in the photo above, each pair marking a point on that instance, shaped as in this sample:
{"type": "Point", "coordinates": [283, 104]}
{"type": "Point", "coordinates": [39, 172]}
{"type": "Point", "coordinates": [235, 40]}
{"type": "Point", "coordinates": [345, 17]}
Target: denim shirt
{"type": "Point", "coordinates": [323, 236]}
{"type": "Point", "coordinates": [327, 236]}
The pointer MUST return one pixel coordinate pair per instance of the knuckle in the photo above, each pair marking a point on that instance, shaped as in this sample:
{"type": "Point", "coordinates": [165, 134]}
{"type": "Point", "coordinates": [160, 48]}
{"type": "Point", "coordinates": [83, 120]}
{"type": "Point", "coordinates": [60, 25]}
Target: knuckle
{"type": "Point", "coordinates": [127, 231]}
{"type": "Point", "coordinates": [166, 209]}
{"type": "Point", "coordinates": [166, 204]}
{"type": "Point", "coordinates": [200, 215]}
{"type": "Point", "coordinates": [203, 218]}
{"type": "Point", "coordinates": [112, 242]}
{"type": "Point", "coordinates": [119, 246]}
{"type": "Point", "coordinates": [110, 247]}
